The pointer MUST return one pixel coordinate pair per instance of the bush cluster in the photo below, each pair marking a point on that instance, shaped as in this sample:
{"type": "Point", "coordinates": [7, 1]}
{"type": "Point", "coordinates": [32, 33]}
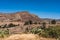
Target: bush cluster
{"type": "Point", "coordinates": [28, 22]}
{"type": "Point", "coordinates": [11, 25]}
{"type": "Point", "coordinates": [4, 33]}
{"type": "Point", "coordinates": [7, 26]}
{"type": "Point", "coordinates": [53, 32]}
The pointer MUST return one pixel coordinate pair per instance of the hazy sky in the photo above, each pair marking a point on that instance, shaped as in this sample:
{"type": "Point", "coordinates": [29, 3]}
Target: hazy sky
{"type": "Point", "coordinates": [42, 8]}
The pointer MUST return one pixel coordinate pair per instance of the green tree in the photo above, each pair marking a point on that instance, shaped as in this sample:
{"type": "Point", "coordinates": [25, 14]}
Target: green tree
{"type": "Point", "coordinates": [11, 25]}
{"type": "Point", "coordinates": [28, 22]}
{"type": "Point", "coordinates": [43, 25]}
{"type": "Point", "coordinates": [53, 22]}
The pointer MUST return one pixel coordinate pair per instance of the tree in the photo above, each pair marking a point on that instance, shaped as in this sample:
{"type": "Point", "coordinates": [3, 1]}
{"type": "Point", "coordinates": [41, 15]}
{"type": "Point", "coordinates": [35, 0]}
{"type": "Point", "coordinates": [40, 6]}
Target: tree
{"type": "Point", "coordinates": [53, 22]}
{"type": "Point", "coordinates": [43, 25]}
{"type": "Point", "coordinates": [28, 22]}
{"type": "Point", "coordinates": [11, 25]}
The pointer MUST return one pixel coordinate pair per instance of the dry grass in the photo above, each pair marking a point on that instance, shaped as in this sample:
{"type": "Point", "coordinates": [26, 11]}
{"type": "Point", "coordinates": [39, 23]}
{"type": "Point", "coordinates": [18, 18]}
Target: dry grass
{"type": "Point", "coordinates": [23, 37]}
{"type": "Point", "coordinates": [26, 37]}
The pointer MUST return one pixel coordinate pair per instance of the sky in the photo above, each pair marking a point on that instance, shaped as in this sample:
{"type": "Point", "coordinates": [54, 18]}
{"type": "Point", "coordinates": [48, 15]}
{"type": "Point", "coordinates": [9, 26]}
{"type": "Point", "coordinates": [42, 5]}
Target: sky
{"type": "Point", "coordinates": [41, 8]}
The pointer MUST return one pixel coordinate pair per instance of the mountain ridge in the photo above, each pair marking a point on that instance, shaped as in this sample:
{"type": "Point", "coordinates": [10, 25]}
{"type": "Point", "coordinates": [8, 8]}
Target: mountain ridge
{"type": "Point", "coordinates": [23, 16]}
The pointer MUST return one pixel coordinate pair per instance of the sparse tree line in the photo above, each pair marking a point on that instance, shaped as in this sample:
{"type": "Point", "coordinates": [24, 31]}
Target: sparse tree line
{"type": "Point", "coordinates": [26, 23]}
{"type": "Point", "coordinates": [8, 26]}
{"type": "Point", "coordinates": [31, 22]}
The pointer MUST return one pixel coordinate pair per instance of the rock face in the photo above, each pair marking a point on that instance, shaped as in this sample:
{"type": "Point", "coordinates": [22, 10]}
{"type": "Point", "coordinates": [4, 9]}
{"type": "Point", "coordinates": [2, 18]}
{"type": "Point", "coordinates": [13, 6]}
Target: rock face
{"type": "Point", "coordinates": [19, 16]}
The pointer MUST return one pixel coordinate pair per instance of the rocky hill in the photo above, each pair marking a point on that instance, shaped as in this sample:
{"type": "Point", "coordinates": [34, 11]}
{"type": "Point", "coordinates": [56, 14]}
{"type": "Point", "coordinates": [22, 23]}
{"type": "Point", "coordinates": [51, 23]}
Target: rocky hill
{"type": "Point", "coordinates": [19, 16]}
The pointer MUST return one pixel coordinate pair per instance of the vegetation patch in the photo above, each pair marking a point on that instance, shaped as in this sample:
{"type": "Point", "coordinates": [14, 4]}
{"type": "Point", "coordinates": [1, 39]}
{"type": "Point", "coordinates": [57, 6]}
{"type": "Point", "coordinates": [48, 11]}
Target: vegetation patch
{"type": "Point", "coordinates": [51, 32]}
{"type": "Point", "coordinates": [4, 33]}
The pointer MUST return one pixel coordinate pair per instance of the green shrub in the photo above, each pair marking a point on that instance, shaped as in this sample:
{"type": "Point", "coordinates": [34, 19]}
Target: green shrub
{"type": "Point", "coordinates": [44, 34]}
{"type": "Point", "coordinates": [7, 26]}
{"type": "Point", "coordinates": [4, 33]}
{"type": "Point", "coordinates": [43, 25]}
{"type": "Point", "coordinates": [53, 32]}
{"type": "Point", "coordinates": [11, 25]}
{"type": "Point", "coordinates": [53, 22]}
{"type": "Point", "coordinates": [36, 31]}
{"type": "Point", "coordinates": [4, 26]}
{"type": "Point", "coordinates": [28, 22]}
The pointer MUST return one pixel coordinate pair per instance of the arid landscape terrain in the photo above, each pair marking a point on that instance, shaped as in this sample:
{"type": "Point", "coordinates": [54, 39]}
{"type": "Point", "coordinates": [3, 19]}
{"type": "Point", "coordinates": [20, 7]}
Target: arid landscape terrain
{"type": "Point", "coordinates": [27, 26]}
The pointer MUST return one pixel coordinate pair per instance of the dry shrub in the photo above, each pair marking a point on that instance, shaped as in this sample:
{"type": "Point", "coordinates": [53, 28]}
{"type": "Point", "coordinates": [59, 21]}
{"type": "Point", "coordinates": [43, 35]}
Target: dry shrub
{"type": "Point", "coordinates": [23, 37]}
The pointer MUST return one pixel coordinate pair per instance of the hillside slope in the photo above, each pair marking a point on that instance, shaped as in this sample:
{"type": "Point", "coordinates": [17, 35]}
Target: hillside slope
{"type": "Point", "coordinates": [19, 16]}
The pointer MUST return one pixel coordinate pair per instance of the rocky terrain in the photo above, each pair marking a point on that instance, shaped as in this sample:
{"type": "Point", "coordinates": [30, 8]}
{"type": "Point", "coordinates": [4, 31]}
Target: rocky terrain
{"type": "Point", "coordinates": [23, 17]}
{"type": "Point", "coordinates": [20, 22]}
{"type": "Point", "coordinates": [18, 16]}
